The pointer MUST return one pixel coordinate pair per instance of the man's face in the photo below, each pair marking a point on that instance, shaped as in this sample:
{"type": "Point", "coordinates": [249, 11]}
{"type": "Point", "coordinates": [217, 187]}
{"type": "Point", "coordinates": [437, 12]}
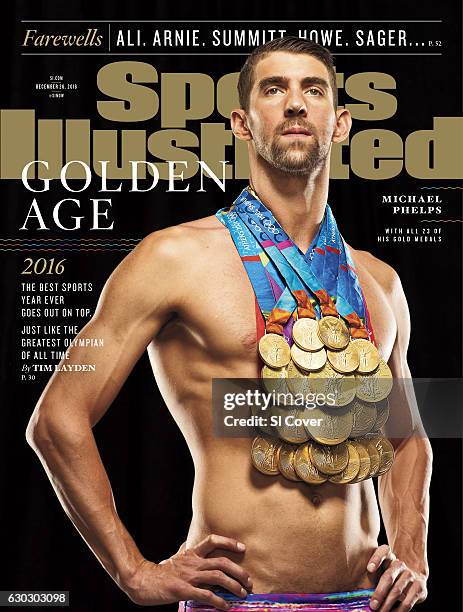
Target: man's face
{"type": "Point", "coordinates": [291, 115]}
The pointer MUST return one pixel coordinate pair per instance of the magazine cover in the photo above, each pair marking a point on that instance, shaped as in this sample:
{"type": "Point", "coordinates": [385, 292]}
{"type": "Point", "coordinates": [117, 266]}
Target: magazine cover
{"type": "Point", "coordinates": [231, 248]}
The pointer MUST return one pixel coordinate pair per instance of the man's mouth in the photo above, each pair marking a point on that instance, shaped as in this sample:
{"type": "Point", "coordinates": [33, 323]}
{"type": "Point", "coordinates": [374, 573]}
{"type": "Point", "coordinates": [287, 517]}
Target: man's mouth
{"type": "Point", "coordinates": [297, 131]}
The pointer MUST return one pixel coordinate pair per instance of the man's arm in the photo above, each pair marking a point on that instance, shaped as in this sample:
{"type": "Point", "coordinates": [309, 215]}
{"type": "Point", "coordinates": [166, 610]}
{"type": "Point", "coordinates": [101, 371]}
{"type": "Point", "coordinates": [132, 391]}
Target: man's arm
{"type": "Point", "coordinates": [138, 299]}
{"type": "Point", "coordinates": [404, 490]}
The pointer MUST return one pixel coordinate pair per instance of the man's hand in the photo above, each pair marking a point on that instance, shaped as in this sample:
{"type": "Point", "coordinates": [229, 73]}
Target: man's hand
{"type": "Point", "coordinates": [188, 574]}
{"type": "Point", "coordinates": [397, 583]}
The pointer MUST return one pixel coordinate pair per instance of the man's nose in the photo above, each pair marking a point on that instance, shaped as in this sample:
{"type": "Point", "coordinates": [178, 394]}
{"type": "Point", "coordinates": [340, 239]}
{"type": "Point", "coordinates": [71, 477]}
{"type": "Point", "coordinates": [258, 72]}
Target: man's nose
{"type": "Point", "coordinates": [295, 106]}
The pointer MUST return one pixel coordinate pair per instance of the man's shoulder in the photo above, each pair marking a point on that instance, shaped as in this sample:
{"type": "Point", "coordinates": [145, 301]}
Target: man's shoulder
{"type": "Point", "coordinates": [182, 239]}
{"type": "Point", "coordinates": [171, 255]}
{"type": "Point", "coordinates": [210, 223]}
{"type": "Point", "coordinates": [185, 235]}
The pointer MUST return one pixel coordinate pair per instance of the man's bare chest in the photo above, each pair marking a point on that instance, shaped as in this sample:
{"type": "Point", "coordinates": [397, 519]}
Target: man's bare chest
{"type": "Point", "coordinates": [223, 312]}
{"type": "Point", "coordinates": [221, 309]}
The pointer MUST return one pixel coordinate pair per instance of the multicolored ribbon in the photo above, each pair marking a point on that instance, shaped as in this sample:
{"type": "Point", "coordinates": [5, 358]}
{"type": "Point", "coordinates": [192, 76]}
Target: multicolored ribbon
{"type": "Point", "coordinates": [320, 282]}
{"type": "Point", "coordinates": [354, 601]}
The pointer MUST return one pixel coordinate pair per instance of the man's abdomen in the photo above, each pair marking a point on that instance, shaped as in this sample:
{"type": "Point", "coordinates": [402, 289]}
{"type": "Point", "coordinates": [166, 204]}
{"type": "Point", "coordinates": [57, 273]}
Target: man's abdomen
{"type": "Point", "coordinates": [299, 538]}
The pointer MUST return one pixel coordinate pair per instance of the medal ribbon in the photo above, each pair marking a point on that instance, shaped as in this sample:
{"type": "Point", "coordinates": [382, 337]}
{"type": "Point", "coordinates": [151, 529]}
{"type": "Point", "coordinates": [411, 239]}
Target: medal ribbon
{"type": "Point", "coordinates": [326, 258]}
{"type": "Point", "coordinates": [295, 294]}
{"type": "Point", "coordinates": [275, 301]}
{"type": "Point", "coordinates": [251, 256]}
{"type": "Point", "coordinates": [331, 262]}
{"type": "Point", "coordinates": [287, 258]}
{"type": "Point", "coordinates": [337, 279]}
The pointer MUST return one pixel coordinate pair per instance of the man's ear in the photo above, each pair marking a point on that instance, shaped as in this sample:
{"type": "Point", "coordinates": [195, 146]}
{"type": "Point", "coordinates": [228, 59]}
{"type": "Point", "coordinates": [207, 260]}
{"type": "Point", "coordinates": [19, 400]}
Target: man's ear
{"type": "Point", "coordinates": [239, 124]}
{"type": "Point", "coordinates": [343, 125]}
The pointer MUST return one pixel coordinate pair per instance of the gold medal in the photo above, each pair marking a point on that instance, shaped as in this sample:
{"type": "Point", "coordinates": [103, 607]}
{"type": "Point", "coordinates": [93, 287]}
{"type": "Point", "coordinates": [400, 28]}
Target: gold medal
{"type": "Point", "coordinates": [345, 361]}
{"type": "Point", "coordinates": [335, 425]}
{"type": "Point", "coordinates": [264, 455]}
{"type": "Point", "coordinates": [290, 430]}
{"type": "Point", "coordinates": [382, 414]}
{"type": "Point", "coordinates": [305, 334]}
{"type": "Point", "coordinates": [274, 380]}
{"type": "Point", "coordinates": [386, 455]}
{"type": "Point", "coordinates": [373, 453]}
{"type": "Point", "coordinates": [329, 460]}
{"type": "Point", "coordinates": [285, 461]}
{"type": "Point", "coordinates": [352, 469]}
{"type": "Point", "coordinates": [304, 467]}
{"type": "Point", "coordinates": [377, 386]}
{"type": "Point", "coordinates": [298, 381]}
{"type": "Point", "coordinates": [364, 417]}
{"type": "Point", "coordinates": [308, 361]}
{"type": "Point", "coordinates": [327, 381]}
{"type": "Point", "coordinates": [267, 372]}
{"type": "Point", "coordinates": [264, 426]}
{"type": "Point", "coordinates": [365, 463]}
{"type": "Point", "coordinates": [274, 350]}
{"type": "Point", "coordinates": [368, 356]}
{"type": "Point", "coordinates": [333, 332]}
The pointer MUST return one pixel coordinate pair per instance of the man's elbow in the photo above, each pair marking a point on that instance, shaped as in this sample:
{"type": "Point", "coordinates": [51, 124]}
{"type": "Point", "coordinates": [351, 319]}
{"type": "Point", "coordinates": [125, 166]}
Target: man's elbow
{"type": "Point", "coordinates": [427, 450]}
{"type": "Point", "coordinates": [39, 430]}
{"type": "Point", "coordinates": [423, 452]}
{"type": "Point", "coordinates": [423, 444]}
{"type": "Point", "coordinates": [57, 430]}
{"type": "Point", "coordinates": [50, 428]}
{"type": "Point", "coordinates": [416, 448]}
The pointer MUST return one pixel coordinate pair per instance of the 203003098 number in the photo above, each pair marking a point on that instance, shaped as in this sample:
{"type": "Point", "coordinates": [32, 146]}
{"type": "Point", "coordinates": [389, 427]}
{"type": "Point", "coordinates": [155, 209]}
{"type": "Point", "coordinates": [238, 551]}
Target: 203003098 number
{"type": "Point", "coordinates": [43, 266]}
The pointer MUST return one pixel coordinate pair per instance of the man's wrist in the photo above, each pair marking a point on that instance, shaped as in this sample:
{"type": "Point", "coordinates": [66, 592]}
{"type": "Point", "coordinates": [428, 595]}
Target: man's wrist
{"type": "Point", "coordinates": [419, 566]}
{"type": "Point", "coordinates": [128, 579]}
{"type": "Point", "coordinates": [422, 570]}
{"type": "Point", "coordinates": [127, 576]}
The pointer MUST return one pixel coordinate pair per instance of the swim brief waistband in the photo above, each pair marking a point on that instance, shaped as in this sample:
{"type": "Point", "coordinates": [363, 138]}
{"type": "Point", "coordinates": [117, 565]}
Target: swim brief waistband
{"type": "Point", "coordinates": [354, 601]}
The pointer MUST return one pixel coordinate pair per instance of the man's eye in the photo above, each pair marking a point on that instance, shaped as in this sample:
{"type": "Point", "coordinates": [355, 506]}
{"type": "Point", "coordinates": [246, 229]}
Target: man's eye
{"type": "Point", "coordinates": [273, 90]}
{"type": "Point", "coordinates": [313, 91]}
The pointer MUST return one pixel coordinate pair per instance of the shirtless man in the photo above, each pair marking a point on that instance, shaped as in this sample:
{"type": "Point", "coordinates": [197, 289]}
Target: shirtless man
{"type": "Point", "coordinates": [184, 294]}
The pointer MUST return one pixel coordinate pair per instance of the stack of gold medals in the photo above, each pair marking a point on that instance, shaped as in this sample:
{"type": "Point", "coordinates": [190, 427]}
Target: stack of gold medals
{"type": "Point", "coordinates": [342, 442]}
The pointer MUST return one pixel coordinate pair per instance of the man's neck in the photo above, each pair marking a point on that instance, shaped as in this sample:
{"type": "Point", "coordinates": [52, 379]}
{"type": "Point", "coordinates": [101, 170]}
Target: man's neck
{"type": "Point", "coordinates": [298, 202]}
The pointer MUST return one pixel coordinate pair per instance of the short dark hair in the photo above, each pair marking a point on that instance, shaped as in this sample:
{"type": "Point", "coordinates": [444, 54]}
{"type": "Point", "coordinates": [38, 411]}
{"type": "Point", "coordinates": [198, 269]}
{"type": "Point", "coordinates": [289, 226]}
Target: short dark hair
{"type": "Point", "coordinates": [289, 44]}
